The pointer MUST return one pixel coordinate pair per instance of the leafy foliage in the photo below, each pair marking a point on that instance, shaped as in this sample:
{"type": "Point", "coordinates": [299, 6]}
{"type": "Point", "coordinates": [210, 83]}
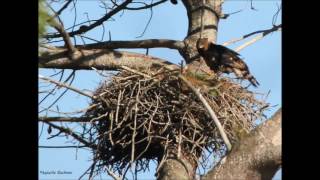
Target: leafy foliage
{"type": "Point", "coordinates": [43, 17]}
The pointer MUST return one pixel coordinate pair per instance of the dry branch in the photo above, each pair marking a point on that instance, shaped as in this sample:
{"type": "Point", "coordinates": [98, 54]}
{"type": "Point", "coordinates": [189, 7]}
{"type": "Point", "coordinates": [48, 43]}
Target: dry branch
{"type": "Point", "coordinates": [263, 33]}
{"type": "Point", "coordinates": [63, 119]}
{"type": "Point", "coordinates": [147, 43]}
{"type": "Point", "coordinates": [66, 86]}
{"type": "Point", "coordinates": [66, 38]}
{"type": "Point", "coordinates": [96, 23]}
{"type": "Point", "coordinates": [71, 133]}
{"type": "Point", "coordinates": [146, 6]}
{"type": "Point", "coordinates": [276, 28]}
{"type": "Point", "coordinates": [101, 59]}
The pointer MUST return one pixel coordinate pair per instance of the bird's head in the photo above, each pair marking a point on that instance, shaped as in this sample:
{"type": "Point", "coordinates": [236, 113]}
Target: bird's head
{"type": "Point", "coordinates": [203, 44]}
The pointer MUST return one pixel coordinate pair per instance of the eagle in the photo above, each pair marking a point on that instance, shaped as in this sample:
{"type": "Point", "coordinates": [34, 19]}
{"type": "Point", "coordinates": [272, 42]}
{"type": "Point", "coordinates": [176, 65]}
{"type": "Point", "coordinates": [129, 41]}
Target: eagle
{"type": "Point", "coordinates": [222, 59]}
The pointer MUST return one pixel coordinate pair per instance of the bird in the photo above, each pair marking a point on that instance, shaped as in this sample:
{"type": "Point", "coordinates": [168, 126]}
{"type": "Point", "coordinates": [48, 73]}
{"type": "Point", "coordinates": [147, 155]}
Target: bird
{"type": "Point", "coordinates": [221, 59]}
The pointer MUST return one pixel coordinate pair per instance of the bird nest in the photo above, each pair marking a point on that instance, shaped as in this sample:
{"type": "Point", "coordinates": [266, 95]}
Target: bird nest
{"type": "Point", "coordinates": [143, 116]}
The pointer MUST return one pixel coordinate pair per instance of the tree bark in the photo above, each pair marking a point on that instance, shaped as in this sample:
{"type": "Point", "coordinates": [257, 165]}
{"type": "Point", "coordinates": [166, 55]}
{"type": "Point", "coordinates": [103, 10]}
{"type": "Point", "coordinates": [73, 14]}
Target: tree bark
{"type": "Point", "coordinates": [176, 168]}
{"type": "Point", "coordinates": [102, 59]}
{"type": "Point", "coordinates": [255, 157]}
{"type": "Point", "coordinates": [211, 14]}
{"type": "Point", "coordinates": [173, 168]}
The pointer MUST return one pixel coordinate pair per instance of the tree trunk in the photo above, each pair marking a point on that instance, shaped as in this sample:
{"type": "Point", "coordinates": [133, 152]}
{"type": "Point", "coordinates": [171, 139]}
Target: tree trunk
{"type": "Point", "coordinates": [211, 13]}
{"type": "Point", "coordinates": [255, 157]}
{"type": "Point", "coordinates": [173, 168]}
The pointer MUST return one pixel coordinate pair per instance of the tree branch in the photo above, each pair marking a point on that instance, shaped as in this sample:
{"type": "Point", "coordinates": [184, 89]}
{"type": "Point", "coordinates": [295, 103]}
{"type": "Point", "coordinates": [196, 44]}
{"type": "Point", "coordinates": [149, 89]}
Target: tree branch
{"type": "Point", "coordinates": [63, 119]}
{"type": "Point", "coordinates": [95, 24]}
{"type": "Point", "coordinates": [66, 86]}
{"type": "Point", "coordinates": [264, 33]}
{"type": "Point", "coordinates": [69, 132]}
{"type": "Point", "coordinates": [276, 28]}
{"type": "Point", "coordinates": [66, 38]}
{"type": "Point", "coordinates": [147, 6]}
{"type": "Point", "coordinates": [257, 156]}
{"type": "Point", "coordinates": [148, 43]}
{"type": "Point", "coordinates": [63, 8]}
{"type": "Point", "coordinates": [101, 59]}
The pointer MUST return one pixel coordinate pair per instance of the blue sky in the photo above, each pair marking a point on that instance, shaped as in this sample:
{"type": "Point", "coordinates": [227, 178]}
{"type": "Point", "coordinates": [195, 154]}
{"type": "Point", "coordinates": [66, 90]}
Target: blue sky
{"type": "Point", "coordinates": [168, 22]}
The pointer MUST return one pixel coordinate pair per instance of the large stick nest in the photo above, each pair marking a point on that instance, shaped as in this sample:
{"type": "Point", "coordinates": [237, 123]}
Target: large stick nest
{"type": "Point", "coordinates": [139, 117]}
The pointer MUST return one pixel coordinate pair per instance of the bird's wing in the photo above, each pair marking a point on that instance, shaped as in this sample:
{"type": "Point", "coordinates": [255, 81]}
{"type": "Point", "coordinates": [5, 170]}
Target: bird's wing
{"type": "Point", "coordinates": [228, 50]}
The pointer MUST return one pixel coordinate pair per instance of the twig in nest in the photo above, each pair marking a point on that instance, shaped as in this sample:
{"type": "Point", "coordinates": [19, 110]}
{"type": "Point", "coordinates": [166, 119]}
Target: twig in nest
{"type": "Point", "coordinates": [164, 157]}
{"type": "Point", "coordinates": [135, 72]}
{"type": "Point", "coordinates": [113, 175]}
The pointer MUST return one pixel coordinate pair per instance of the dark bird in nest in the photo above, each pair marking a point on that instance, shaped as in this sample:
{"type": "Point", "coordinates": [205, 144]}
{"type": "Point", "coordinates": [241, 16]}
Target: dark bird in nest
{"type": "Point", "coordinates": [225, 60]}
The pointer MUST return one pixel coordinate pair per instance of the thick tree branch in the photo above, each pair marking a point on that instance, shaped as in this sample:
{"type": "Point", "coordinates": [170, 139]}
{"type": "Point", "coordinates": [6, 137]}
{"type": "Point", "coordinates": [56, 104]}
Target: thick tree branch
{"type": "Point", "coordinates": [148, 43]}
{"type": "Point", "coordinates": [63, 119]}
{"type": "Point", "coordinates": [101, 59]}
{"type": "Point", "coordinates": [257, 156]}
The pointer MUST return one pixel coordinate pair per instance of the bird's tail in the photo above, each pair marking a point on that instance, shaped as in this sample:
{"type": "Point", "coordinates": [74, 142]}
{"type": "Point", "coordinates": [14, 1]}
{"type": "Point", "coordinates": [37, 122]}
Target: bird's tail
{"type": "Point", "coordinates": [246, 75]}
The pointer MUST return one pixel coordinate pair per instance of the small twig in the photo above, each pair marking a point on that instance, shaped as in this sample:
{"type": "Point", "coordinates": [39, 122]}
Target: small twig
{"type": "Point", "coordinates": [225, 16]}
{"type": "Point", "coordinates": [92, 169]}
{"type": "Point", "coordinates": [69, 132]}
{"type": "Point", "coordinates": [134, 126]}
{"type": "Point", "coordinates": [113, 175]}
{"type": "Point", "coordinates": [63, 8]}
{"type": "Point", "coordinates": [147, 25]}
{"type": "Point", "coordinates": [146, 6]}
{"type": "Point", "coordinates": [110, 128]}
{"type": "Point", "coordinates": [66, 86]}
{"type": "Point", "coordinates": [98, 118]}
{"type": "Point", "coordinates": [179, 143]}
{"type": "Point", "coordinates": [134, 71]}
{"type": "Point", "coordinates": [164, 157]}
{"type": "Point", "coordinates": [95, 24]}
{"type": "Point", "coordinates": [75, 112]}
{"type": "Point", "coordinates": [118, 105]}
